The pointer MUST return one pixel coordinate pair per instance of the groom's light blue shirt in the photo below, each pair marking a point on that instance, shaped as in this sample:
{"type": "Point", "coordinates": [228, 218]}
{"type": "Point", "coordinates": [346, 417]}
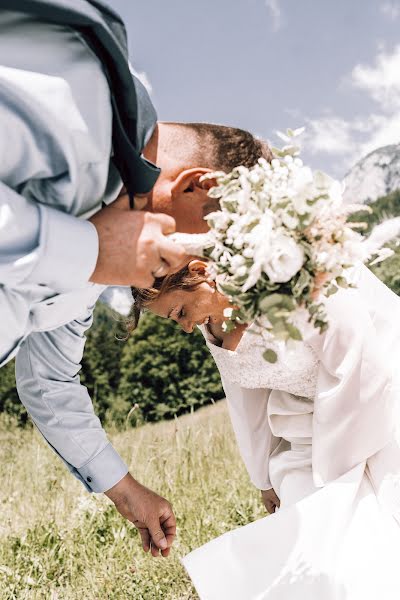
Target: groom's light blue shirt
{"type": "Point", "coordinates": [55, 148]}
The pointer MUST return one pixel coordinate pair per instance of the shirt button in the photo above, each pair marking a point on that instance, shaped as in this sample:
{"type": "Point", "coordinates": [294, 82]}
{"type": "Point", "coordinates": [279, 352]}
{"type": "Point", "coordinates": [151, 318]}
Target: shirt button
{"type": "Point", "coordinates": [89, 479]}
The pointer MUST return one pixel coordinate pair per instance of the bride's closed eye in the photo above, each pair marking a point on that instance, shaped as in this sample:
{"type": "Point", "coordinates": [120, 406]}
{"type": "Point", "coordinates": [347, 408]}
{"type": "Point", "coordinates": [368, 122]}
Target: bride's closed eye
{"type": "Point", "coordinates": [176, 314]}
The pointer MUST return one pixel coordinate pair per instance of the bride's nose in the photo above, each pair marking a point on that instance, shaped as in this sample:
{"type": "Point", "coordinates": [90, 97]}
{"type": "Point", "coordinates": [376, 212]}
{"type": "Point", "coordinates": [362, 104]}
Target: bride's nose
{"type": "Point", "coordinates": [187, 326]}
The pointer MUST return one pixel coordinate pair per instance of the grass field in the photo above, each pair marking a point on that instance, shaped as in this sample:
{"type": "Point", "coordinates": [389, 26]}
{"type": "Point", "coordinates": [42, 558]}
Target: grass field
{"type": "Point", "coordinates": [59, 543]}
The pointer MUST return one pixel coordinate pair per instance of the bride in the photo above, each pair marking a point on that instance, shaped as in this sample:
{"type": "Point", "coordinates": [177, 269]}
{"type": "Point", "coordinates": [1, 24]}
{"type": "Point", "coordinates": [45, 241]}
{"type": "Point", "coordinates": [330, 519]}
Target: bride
{"type": "Point", "coordinates": [317, 433]}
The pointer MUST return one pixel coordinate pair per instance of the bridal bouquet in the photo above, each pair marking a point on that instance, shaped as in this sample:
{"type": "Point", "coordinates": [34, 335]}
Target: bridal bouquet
{"type": "Point", "coordinates": [280, 241]}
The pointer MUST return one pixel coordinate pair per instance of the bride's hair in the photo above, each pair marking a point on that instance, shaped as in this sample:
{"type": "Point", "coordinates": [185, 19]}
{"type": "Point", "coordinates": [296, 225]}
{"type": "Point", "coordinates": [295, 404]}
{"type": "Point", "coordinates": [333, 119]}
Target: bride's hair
{"type": "Point", "coordinates": [184, 279]}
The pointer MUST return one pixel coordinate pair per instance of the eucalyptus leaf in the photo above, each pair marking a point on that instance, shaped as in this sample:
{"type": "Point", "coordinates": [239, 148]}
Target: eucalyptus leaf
{"type": "Point", "coordinates": [274, 300]}
{"type": "Point", "coordinates": [332, 289]}
{"type": "Point", "coordinates": [303, 282]}
{"type": "Point", "coordinates": [342, 282]}
{"type": "Point", "coordinates": [270, 356]}
{"type": "Point", "coordinates": [294, 332]}
{"type": "Point", "coordinates": [227, 289]}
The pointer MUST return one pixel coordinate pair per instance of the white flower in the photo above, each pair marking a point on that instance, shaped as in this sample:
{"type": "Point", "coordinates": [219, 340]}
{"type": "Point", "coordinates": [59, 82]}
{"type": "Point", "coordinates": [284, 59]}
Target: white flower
{"type": "Point", "coordinates": [220, 219]}
{"type": "Point", "coordinates": [322, 180]}
{"type": "Point", "coordinates": [225, 258]}
{"type": "Point", "coordinates": [302, 189]}
{"type": "Point", "coordinates": [248, 252]}
{"type": "Point", "coordinates": [242, 271]}
{"type": "Point", "coordinates": [289, 220]}
{"type": "Point", "coordinates": [275, 163]}
{"type": "Point", "coordinates": [236, 262]}
{"type": "Point", "coordinates": [286, 259]}
{"type": "Point", "coordinates": [336, 193]}
{"type": "Point", "coordinates": [271, 215]}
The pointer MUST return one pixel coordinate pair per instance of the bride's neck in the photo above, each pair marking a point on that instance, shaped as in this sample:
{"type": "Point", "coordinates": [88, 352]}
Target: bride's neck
{"type": "Point", "coordinates": [229, 341]}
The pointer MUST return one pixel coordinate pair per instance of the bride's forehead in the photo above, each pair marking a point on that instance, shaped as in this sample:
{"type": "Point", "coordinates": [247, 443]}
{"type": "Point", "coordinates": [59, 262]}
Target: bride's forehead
{"type": "Point", "coordinates": [168, 297]}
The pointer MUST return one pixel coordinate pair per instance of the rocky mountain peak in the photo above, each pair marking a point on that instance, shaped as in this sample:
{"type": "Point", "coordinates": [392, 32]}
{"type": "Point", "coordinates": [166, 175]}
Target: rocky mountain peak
{"type": "Point", "coordinates": [374, 176]}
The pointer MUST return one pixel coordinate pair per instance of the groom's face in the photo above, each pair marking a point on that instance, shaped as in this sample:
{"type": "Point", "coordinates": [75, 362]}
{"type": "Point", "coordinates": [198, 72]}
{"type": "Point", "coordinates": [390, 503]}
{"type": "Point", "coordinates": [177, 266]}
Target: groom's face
{"type": "Point", "coordinates": [183, 195]}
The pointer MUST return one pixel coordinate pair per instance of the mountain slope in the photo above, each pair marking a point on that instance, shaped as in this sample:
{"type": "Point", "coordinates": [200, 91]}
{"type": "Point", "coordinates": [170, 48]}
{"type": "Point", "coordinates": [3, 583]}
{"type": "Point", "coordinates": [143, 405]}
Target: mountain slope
{"type": "Point", "coordinates": [374, 176]}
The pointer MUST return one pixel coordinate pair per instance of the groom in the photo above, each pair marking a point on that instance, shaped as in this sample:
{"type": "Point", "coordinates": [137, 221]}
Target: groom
{"type": "Point", "coordinates": [58, 249]}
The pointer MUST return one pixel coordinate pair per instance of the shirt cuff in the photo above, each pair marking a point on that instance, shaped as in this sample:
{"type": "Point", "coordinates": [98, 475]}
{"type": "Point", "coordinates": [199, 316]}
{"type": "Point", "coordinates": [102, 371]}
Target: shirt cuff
{"type": "Point", "coordinates": [104, 471]}
{"type": "Point", "coordinates": [69, 248]}
{"type": "Point", "coordinates": [262, 483]}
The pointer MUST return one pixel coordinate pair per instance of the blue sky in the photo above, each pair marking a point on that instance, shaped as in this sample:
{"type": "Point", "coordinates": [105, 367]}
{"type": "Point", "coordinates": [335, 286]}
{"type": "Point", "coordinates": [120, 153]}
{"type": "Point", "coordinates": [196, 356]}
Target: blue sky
{"type": "Point", "coordinates": [264, 65]}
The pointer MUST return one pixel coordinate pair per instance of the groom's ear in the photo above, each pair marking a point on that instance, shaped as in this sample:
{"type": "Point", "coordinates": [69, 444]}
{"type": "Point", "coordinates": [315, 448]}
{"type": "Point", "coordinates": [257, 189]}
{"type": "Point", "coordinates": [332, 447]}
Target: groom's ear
{"type": "Point", "coordinates": [188, 199]}
{"type": "Point", "coordinates": [190, 182]}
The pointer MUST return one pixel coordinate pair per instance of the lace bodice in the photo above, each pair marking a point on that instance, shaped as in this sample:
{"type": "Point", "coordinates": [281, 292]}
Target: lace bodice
{"type": "Point", "coordinates": [295, 370]}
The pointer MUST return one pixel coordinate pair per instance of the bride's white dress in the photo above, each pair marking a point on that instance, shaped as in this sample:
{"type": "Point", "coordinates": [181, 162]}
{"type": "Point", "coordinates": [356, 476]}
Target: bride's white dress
{"type": "Point", "coordinates": [319, 426]}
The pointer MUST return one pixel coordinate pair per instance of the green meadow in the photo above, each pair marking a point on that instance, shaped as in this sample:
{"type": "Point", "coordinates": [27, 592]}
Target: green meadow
{"type": "Point", "coordinates": [57, 542]}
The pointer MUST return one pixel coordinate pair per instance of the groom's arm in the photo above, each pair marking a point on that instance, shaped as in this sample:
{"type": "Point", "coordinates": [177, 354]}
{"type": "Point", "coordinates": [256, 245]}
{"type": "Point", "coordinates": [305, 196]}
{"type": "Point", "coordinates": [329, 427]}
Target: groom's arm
{"type": "Point", "coordinates": [47, 372]}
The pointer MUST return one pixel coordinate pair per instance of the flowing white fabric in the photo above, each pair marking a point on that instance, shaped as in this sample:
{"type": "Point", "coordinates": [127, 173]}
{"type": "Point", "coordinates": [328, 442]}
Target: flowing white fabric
{"type": "Point", "coordinates": [332, 456]}
{"type": "Point", "coordinates": [335, 544]}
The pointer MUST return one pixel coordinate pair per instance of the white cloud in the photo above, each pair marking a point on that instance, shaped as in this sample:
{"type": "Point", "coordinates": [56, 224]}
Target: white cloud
{"type": "Point", "coordinates": [390, 10]}
{"type": "Point", "coordinates": [119, 298]}
{"type": "Point", "coordinates": [382, 80]}
{"type": "Point", "coordinates": [276, 13]}
{"type": "Point", "coordinates": [329, 134]}
{"type": "Point", "coordinates": [349, 140]}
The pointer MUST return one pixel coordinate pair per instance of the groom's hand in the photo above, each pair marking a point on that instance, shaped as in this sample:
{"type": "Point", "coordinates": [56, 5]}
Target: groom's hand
{"type": "Point", "coordinates": [133, 246]}
{"type": "Point", "coordinates": [149, 512]}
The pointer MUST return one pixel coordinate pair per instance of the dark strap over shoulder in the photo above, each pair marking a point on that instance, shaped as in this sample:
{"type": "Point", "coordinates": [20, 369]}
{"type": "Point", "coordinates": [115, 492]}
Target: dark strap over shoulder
{"type": "Point", "coordinates": [134, 116]}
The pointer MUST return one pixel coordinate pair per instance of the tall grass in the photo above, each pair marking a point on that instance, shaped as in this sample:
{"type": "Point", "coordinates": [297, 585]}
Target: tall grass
{"type": "Point", "coordinates": [58, 542]}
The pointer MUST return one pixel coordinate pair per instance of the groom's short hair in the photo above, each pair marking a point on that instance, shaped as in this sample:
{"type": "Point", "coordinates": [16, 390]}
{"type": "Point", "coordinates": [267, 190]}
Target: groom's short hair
{"type": "Point", "coordinates": [219, 147]}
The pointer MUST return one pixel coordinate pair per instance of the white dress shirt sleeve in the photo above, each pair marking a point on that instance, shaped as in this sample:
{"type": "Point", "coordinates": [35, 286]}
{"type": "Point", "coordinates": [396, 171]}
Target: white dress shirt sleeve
{"type": "Point", "coordinates": [39, 244]}
{"type": "Point", "coordinates": [47, 372]}
{"type": "Point", "coordinates": [249, 417]}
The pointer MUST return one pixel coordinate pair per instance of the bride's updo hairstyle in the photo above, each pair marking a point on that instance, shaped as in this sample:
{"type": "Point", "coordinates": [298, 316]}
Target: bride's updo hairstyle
{"type": "Point", "coordinates": [184, 279]}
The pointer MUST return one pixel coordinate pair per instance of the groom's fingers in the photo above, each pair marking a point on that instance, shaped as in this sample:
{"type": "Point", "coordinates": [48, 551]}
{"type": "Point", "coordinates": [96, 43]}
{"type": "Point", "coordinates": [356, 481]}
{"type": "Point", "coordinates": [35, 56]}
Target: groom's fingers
{"type": "Point", "coordinates": [168, 524]}
{"type": "Point", "coordinates": [158, 538]}
{"type": "Point", "coordinates": [163, 532]}
{"type": "Point", "coordinates": [145, 535]}
{"type": "Point", "coordinates": [172, 253]}
{"type": "Point", "coordinates": [133, 246]}
{"type": "Point", "coordinates": [167, 223]}
{"type": "Point", "coordinates": [157, 255]}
